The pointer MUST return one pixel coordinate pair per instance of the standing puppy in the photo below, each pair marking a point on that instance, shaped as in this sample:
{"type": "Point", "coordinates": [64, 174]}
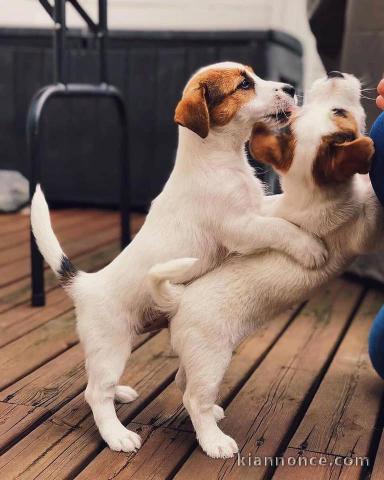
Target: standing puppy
{"type": "Point", "coordinates": [208, 208]}
{"type": "Point", "coordinates": [317, 162]}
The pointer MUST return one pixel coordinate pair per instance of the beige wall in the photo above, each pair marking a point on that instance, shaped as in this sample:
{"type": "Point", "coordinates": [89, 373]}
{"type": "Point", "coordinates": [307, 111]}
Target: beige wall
{"type": "Point", "coordinates": [287, 15]}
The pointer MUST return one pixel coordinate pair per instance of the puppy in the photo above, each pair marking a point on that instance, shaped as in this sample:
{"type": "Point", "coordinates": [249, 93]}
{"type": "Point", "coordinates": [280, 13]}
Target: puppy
{"type": "Point", "coordinates": [317, 161]}
{"type": "Point", "coordinates": [208, 208]}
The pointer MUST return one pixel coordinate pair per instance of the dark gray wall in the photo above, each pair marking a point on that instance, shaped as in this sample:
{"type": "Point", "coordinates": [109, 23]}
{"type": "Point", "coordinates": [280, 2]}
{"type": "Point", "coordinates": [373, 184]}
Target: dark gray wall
{"type": "Point", "coordinates": [150, 69]}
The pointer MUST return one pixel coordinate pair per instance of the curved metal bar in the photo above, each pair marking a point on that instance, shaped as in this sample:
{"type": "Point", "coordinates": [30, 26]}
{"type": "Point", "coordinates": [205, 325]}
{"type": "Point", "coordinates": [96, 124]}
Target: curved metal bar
{"type": "Point", "coordinates": [35, 114]}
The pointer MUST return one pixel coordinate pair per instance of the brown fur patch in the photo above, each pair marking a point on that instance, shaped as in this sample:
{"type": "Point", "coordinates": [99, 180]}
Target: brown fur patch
{"type": "Point", "coordinates": [337, 162]}
{"type": "Point", "coordinates": [192, 112]}
{"type": "Point", "coordinates": [341, 155]}
{"type": "Point", "coordinates": [275, 149]}
{"type": "Point", "coordinates": [212, 97]}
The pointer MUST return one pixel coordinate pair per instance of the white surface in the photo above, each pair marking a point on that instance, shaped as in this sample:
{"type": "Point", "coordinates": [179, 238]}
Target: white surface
{"type": "Point", "coordinates": [289, 16]}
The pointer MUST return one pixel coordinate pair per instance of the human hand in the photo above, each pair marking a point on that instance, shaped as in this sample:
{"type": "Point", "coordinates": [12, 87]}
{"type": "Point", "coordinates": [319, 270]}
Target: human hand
{"type": "Point", "coordinates": [380, 97]}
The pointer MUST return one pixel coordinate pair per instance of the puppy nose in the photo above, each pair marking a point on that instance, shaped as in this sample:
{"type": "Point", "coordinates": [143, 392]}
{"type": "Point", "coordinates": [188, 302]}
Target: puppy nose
{"type": "Point", "coordinates": [289, 90]}
{"type": "Point", "coordinates": [335, 74]}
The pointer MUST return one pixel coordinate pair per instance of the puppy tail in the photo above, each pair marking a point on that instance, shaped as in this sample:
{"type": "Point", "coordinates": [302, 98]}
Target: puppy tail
{"type": "Point", "coordinates": [162, 278]}
{"type": "Point", "coordinates": [47, 241]}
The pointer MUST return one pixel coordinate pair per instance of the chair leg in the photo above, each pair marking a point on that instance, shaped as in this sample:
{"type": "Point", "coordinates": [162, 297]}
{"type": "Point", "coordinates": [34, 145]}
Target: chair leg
{"type": "Point", "coordinates": [33, 139]}
{"type": "Point", "coordinates": [125, 227]}
{"type": "Point", "coordinates": [125, 207]}
{"type": "Point", "coordinates": [38, 294]}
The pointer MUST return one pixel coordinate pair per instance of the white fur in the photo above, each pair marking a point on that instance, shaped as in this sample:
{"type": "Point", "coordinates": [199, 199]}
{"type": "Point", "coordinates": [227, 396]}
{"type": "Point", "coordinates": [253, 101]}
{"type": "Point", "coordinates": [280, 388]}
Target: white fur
{"type": "Point", "coordinates": [163, 279]}
{"type": "Point", "coordinates": [218, 310]}
{"type": "Point", "coordinates": [208, 208]}
{"type": "Point", "coordinates": [42, 230]}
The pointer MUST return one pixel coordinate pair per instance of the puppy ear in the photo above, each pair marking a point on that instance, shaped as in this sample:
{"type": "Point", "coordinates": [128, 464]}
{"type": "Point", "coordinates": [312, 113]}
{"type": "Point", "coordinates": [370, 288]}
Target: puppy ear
{"type": "Point", "coordinates": [275, 149]}
{"type": "Point", "coordinates": [337, 162]}
{"type": "Point", "coordinates": [192, 111]}
{"type": "Point", "coordinates": [264, 145]}
{"type": "Point", "coordinates": [354, 157]}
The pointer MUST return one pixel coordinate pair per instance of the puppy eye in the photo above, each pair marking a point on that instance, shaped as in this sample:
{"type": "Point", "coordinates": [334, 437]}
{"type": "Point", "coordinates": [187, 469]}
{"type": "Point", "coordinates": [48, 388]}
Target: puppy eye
{"type": "Point", "coordinates": [245, 84]}
{"type": "Point", "coordinates": [339, 112]}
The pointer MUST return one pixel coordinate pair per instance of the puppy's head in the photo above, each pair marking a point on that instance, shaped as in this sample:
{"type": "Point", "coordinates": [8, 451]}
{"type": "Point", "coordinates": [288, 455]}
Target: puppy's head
{"type": "Point", "coordinates": [324, 144]}
{"type": "Point", "coordinates": [229, 93]}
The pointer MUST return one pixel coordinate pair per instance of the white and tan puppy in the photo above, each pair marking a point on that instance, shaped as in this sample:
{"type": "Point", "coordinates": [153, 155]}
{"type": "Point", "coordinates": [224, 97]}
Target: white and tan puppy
{"type": "Point", "coordinates": [208, 208]}
{"type": "Point", "coordinates": [317, 162]}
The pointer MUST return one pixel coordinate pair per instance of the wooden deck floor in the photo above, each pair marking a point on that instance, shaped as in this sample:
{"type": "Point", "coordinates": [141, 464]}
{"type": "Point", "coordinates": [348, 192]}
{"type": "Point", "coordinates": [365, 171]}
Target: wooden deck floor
{"type": "Point", "coordinates": [302, 388]}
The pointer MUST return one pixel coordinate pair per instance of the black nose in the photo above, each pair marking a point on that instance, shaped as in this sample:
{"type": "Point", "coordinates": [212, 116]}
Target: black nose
{"type": "Point", "coordinates": [289, 90]}
{"type": "Point", "coordinates": [335, 74]}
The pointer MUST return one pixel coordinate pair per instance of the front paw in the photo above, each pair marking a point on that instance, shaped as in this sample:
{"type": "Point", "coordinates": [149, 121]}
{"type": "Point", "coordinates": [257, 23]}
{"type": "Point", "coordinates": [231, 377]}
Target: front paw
{"type": "Point", "coordinates": [313, 254]}
{"type": "Point", "coordinates": [120, 439]}
{"type": "Point", "coordinates": [216, 444]}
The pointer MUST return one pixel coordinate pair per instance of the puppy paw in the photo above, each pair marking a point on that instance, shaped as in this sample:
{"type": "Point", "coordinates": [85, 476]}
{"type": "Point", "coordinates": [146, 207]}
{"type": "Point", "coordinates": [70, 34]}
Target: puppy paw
{"type": "Point", "coordinates": [218, 445]}
{"type": "Point", "coordinates": [218, 412]}
{"type": "Point", "coordinates": [125, 394]}
{"type": "Point", "coordinates": [120, 439]}
{"type": "Point", "coordinates": [313, 254]}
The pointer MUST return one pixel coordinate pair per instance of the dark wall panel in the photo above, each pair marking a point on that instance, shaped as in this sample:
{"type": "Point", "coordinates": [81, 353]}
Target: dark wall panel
{"type": "Point", "coordinates": [150, 69]}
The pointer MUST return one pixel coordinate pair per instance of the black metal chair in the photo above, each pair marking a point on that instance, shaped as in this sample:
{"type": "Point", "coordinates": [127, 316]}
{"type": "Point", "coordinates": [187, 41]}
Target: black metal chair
{"type": "Point", "coordinates": [64, 89]}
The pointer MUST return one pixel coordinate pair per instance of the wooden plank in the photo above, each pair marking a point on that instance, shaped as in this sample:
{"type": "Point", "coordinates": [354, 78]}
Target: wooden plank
{"type": "Point", "coordinates": [90, 239]}
{"type": "Point", "coordinates": [159, 447]}
{"type": "Point", "coordinates": [22, 319]}
{"type": "Point", "coordinates": [68, 232]}
{"type": "Point", "coordinates": [282, 383]}
{"type": "Point", "coordinates": [69, 436]}
{"type": "Point", "coordinates": [82, 444]}
{"type": "Point", "coordinates": [16, 419]}
{"type": "Point", "coordinates": [334, 423]}
{"type": "Point", "coordinates": [305, 465]}
{"type": "Point", "coordinates": [13, 222]}
{"type": "Point", "coordinates": [6, 218]}
{"type": "Point", "coordinates": [44, 391]}
{"type": "Point", "coordinates": [166, 410]}
{"type": "Point", "coordinates": [21, 221]}
{"type": "Point", "coordinates": [264, 409]}
{"type": "Point", "coordinates": [61, 219]}
{"type": "Point", "coordinates": [22, 356]}
{"type": "Point", "coordinates": [22, 217]}
{"type": "Point", "coordinates": [50, 385]}
{"type": "Point", "coordinates": [19, 291]}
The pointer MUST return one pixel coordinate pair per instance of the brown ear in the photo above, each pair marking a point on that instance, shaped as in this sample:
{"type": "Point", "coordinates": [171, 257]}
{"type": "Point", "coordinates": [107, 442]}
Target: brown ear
{"type": "Point", "coordinates": [275, 149]}
{"type": "Point", "coordinates": [192, 111]}
{"type": "Point", "coordinates": [337, 162]}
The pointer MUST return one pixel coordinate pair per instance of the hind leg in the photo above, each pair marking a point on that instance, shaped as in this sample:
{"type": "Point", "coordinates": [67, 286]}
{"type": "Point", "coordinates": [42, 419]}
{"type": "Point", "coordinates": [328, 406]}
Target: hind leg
{"type": "Point", "coordinates": [181, 382]}
{"type": "Point", "coordinates": [107, 349]}
{"type": "Point", "coordinates": [205, 365]}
